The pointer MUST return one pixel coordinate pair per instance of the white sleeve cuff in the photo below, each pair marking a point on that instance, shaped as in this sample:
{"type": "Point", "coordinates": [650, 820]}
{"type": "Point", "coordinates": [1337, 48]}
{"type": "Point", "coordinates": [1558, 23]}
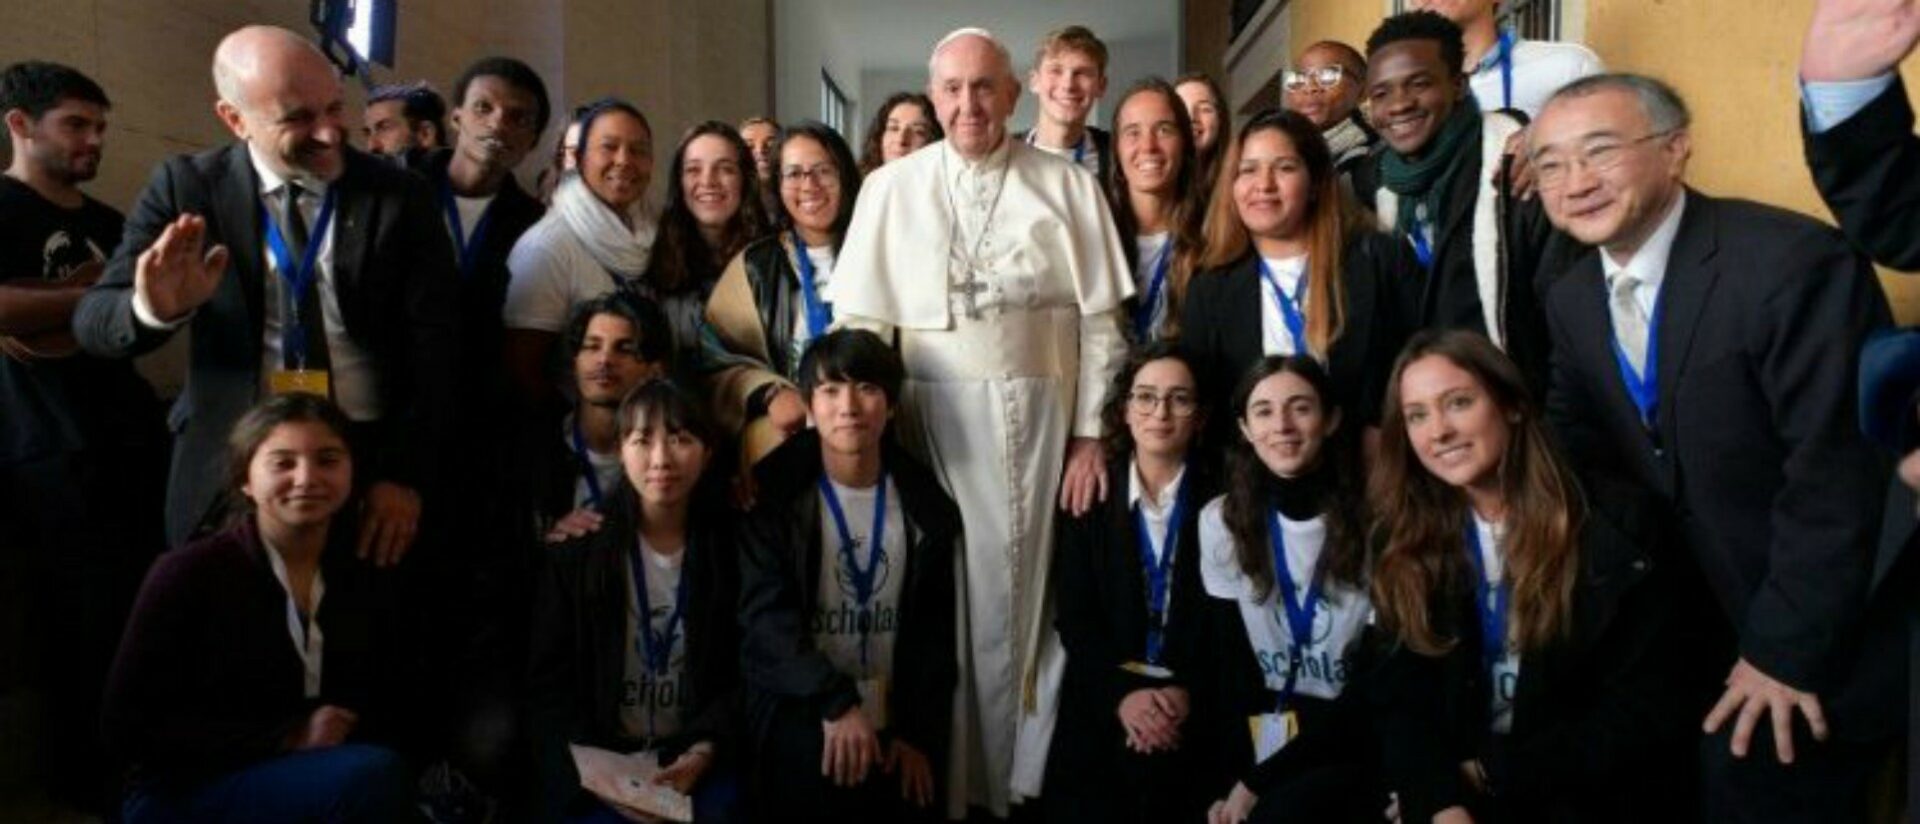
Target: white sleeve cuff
{"type": "Point", "coordinates": [1831, 103]}
{"type": "Point", "coordinates": [146, 316]}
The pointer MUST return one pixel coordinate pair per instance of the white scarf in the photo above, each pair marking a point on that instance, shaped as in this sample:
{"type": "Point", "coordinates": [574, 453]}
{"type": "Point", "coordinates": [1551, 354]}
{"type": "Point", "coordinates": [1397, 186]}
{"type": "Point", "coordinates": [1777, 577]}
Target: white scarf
{"type": "Point", "coordinates": [620, 250]}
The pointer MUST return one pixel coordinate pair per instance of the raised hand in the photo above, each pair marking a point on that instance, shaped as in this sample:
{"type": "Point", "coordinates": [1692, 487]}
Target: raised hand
{"type": "Point", "coordinates": [177, 273]}
{"type": "Point", "coordinates": [1858, 39]}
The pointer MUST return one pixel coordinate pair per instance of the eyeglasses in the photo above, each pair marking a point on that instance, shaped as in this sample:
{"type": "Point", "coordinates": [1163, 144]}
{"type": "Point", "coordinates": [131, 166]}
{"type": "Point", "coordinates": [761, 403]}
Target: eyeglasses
{"type": "Point", "coordinates": [823, 174]}
{"type": "Point", "coordinates": [1325, 77]}
{"type": "Point", "coordinates": [1551, 166]}
{"type": "Point", "coordinates": [1143, 402]}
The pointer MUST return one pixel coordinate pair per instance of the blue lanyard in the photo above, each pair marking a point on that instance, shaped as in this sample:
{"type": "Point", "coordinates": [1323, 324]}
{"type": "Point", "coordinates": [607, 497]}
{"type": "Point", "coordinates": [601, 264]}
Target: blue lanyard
{"type": "Point", "coordinates": [1490, 602]}
{"type": "Point", "coordinates": [1079, 149]}
{"type": "Point", "coordinates": [594, 494]}
{"type": "Point", "coordinates": [293, 330]}
{"type": "Point", "coordinates": [1642, 387]}
{"type": "Point", "coordinates": [1502, 56]}
{"type": "Point", "coordinates": [1143, 315]}
{"type": "Point", "coordinates": [1421, 249]}
{"type": "Point", "coordinates": [819, 313]}
{"type": "Point", "coordinates": [863, 579]}
{"type": "Point", "coordinates": [1290, 311]}
{"type": "Point", "coordinates": [656, 649]}
{"type": "Point", "coordinates": [1159, 573]}
{"type": "Point", "coordinates": [1299, 612]}
{"type": "Point", "coordinates": [464, 247]}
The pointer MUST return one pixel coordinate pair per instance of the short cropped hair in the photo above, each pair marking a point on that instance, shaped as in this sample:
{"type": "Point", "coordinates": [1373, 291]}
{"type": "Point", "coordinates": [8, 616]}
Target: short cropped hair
{"type": "Point", "coordinates": [418, 103]}
{"type": "Point", "coordinates": [1422, 25]}
{"type": "Point", "coordinates": [1072, 38]}
{"type": "Point", "coordinates": [1664, 109]}
{"type": "Point", "coordinates": [518, 75]}
{"type": "Point", "coordinates": [856, 355]}
{"type": "Point", "coordinates": [654, 338]}
{"type": "Point", "coordinates": [37, 86]}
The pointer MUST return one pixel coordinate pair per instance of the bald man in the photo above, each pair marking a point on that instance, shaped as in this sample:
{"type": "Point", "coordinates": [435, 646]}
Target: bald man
{"type": "Point", "coordinates": [301, 265]}
{"type": "Point", "coordinates": [999, 267]}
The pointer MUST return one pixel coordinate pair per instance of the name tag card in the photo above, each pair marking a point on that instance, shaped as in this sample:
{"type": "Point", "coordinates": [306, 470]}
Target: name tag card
{"type": "Point", "coordinates": [307, 381]}
{"type": "Point", "coordinates": [1271, 732]}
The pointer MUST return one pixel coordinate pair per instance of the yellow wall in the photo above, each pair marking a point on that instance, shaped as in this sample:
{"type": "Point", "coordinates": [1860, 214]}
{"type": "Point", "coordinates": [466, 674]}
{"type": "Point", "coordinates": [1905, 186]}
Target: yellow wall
{"type": "Point", "coordinates": [1733, 60]}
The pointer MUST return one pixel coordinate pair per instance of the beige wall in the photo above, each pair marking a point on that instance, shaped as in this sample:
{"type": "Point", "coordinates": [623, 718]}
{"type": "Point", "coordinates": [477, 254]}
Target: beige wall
{"type": "Point", "coordinates": [679, 60]}
{"type": "Point", "coordinates": [1734, 61]}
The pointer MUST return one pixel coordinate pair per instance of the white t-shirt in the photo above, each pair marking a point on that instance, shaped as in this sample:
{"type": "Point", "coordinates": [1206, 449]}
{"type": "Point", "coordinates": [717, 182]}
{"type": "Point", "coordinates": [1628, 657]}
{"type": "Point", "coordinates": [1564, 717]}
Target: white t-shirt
{"type": "Point", "coordinates": [837, 615]}
{"type": "Point", "coordinates": [1540, 68]}
{"type": "Point", "coordinates": [470, 209]}
{"type": "Point", "coordinates": [1151, 247]}
{"type": "Point", "coordinates": [606, 469]}
{"type": "Point", "coordinates": [551, 271]}
{"type": "Point", "coordinates": [1338, 618]}
{"type": "Point", "coordinates": [1506, 672]}
{"type": "Point", "coordinates": [1275, 338]}
{"type": "Point", "coordinates": [649, 704]}
{"type": "Point", "coordinates": [822, 258]}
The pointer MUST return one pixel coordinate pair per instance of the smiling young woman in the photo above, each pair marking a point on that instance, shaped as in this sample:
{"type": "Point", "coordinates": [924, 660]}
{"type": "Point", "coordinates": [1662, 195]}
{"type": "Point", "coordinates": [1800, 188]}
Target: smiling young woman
{"type": "Point", "coordinates": [1153, 191]}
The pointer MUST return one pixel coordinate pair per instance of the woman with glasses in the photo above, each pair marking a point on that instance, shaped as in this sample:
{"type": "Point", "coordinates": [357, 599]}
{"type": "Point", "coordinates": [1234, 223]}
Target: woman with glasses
{"type": "Point", "coordinates": [1292, 269]}
{"type": "Point", "coordinates": [772, 299]}
{"type": "Point", "coordinates": [1131, 743]}
{"type": "Point", "coordinates": [1286, 546]}
{"type": "Point", "coordinates": [1152, 192]}
{"type": "Point", "coordinates": [902, 124]}
{"type": "Point", "coordinates": [1324, 86]}
{"type": "Point", "coordinates": [1547, 660]}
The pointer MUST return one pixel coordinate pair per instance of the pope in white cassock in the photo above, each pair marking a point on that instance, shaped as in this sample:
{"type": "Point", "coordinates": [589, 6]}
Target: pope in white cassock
{"type": "Point", "coordinates": [1000, 269]}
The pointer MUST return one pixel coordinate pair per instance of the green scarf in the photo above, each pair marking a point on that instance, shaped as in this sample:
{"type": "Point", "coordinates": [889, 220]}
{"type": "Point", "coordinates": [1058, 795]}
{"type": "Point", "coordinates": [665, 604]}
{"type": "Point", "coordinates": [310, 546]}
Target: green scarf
{"type": "Point", "coordinates": [1424, 179]}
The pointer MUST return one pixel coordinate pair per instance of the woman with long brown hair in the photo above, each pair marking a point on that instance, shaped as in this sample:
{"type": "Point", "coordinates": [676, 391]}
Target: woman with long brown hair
{"type": "Point", "coordinates": [1288, 268]}
{"type": "Point", "coordinates": [1541, 665]}
{"type": "Point", "coordinates": [1154, 198]}
{"type": "Point", "coordinates": [904, 122]}
{"type": "Point", "coordinates": [714, 209]}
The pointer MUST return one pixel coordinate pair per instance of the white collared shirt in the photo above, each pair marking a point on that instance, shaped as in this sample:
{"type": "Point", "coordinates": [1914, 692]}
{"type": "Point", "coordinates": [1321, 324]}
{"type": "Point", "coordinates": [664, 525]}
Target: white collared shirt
{"type": "Point", "coordinates": [1649, 264]}
{"type": "Point", "coordinates": [1156, 510]}
{"type": "Point", "coordinates": [308, 642]}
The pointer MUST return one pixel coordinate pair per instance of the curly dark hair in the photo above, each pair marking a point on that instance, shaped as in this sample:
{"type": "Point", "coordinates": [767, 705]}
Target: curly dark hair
{"type": "Point", "coordinates": [1116, 439]}
{"type": "Point", "coordinates": [1422, 25]}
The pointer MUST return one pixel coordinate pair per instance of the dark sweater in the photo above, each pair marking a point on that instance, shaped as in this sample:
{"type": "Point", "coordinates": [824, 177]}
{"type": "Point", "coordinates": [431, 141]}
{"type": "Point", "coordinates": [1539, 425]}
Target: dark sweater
{"type": "Point", "coordinates": [207, 679]}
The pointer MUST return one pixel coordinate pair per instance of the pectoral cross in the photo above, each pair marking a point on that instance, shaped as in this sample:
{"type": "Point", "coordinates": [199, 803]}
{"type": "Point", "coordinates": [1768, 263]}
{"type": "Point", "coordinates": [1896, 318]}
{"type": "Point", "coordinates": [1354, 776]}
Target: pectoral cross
{"type": "Point", "coordinates": [970, 290]}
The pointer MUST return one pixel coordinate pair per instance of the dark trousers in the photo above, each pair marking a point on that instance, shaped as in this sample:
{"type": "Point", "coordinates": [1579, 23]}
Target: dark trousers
{"type": "Point", "coordinates": [1827, 781]}
{"type": "Point", "coordinates": [348, 783]}
{"type": "Point", "coordinates": [793, 790]}
{"type": "Point", "coordinates": [77, 532]}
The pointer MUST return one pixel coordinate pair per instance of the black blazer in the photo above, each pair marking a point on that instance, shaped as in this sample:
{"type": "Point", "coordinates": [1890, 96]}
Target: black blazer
{"type": "Point", "coordinates": [1220, 328]}
{"type": "Point", "coordinates": [1865, 169]}
{"type": "Point", "coordinates": [780, 581]}
{"type": "Point", "coordinates": [207, 680]}
{"type": "Point", "coordinates": [1605, 721]}
{"type": "Point", "coordinates": [1756, 447]}
{"type": "Point", "coordinates": [1100, 609]}
{"type": "Point", "coordinates": [580, 632]}
{"type": "Point", "coordinates": [1535, 254]}
{"type": "Point", "coordinates": [396, 296]}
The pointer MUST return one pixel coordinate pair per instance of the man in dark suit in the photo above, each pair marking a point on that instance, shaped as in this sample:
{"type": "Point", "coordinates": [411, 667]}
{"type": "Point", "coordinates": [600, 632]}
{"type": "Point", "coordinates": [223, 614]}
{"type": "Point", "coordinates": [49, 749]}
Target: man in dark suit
{"type": "Point", "coordinates": [1707, 350]}
{"type": "Point", "coordinates": [219, 240]}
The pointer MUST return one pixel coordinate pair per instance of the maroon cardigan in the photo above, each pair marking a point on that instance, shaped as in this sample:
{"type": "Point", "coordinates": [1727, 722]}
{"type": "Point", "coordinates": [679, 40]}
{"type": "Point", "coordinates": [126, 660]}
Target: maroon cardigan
{"type": "Point", "coordinates": [207, 679]}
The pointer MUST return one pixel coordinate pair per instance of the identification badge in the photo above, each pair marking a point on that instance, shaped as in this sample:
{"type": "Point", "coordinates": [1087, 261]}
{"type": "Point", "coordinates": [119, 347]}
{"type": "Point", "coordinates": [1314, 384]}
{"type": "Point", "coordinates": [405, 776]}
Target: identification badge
{"type": "Point", "coordinates": [307, 381]}
{"type": "Point", "coordinates": [1146, 670]}
{"type": "Point", "coordinates": [873, 700]}
{"type": "Point", "coordinates": [1271, 732]}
